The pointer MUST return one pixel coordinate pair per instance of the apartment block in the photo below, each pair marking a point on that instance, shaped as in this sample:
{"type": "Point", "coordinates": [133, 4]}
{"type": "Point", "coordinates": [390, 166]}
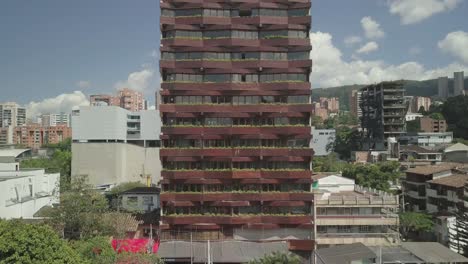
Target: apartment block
{"type": "Point", "coordinates": [355, 102]}
{"type": "Point", "coordinates": [125, 98]}
{"type": "Point", "coordinates": [235, 105]}
{"type": "Point", "coordinates": [53, 120]}
{"type": "Point", "coordinates": [35, 136]}
{"type": "Point", "coordinates": [11, 114]}
{"type": "Point", "coordinates": [458, 83]}
{"type": "Point", "coordinates": [331, 104]}
{"type": "Point", "coordinates": [347, 213]}
{"type": "Point", "coordinates": [415, 186]}
{"type": "Point", "coordinates": [383, 113]}
{"type": "Point", "coordinates": [427, 139]}
{"type": "Point", "coordinates": [112, 145]}
{"type": "Point", "coordinates": [446, 194]}
{"type": "Point", "coordinates": [431, 125]}
{"type": "Point", "coordinates": [443, 87]}
{"type": "Point", "coordinates": [420, 102]}
{"type": "Point", "coordinates": [319, 111]}
{"type": "Point", "coordinates": [6, 135]}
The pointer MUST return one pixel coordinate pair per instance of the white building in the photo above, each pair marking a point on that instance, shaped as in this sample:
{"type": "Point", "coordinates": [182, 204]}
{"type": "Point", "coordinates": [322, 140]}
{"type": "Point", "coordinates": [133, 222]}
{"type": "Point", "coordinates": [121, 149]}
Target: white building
{"type": "Point", "coordinates": [428, 140]}
{"type": "Point", "coordinates": [52, 120]}
{"type": "Point", "coordinates": [346, 213]}
{"type": "Point", "coordinates": [321, 139]}
{"type": "Point", "coordinates": [24, 192]}
{"type": "Point", "coordinates": [11, 114]}
{"type": "Point", "coordinates": [413, 116]}
{"type": "Point", "coordinates": [112, 145]}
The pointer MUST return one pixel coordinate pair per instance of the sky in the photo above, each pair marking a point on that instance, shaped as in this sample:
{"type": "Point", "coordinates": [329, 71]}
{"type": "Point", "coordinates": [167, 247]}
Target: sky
{"type": "Point", "coordinates": [54, 53]}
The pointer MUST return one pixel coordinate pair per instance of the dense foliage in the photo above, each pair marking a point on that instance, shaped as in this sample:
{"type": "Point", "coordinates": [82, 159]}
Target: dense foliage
{"type": "Point", "coordinates": [379, 176]}
{"type": "Point", "coordinates": [329, 163]}
{"type": "Point", "coordinates": [25, 243]}
{"type": "Point", "coordinates": [455, 111]}
{"type": "Point", "coordinates": [347, 140]}
{"type": "Point", "coordinates": [278, 257]}
{"type": "Point", "coordinates": [415, 222]}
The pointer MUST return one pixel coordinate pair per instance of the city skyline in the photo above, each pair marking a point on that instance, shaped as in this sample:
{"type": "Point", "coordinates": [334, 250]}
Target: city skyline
{"type": "Point", "coordinates": [357, 44]}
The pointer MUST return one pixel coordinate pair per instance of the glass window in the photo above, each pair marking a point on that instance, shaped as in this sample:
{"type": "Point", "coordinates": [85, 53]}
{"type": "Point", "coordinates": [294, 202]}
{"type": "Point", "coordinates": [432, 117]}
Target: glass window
{"type": "Point", "coordinates": [302, 55]}
{"type": "Point", "coordinates": [167, 13]}
{"type": "Point", "coordinates": [217, 34]}
{"type": "Point", "coordinates": [188, 12]}
{"type": "Point", "coordinates": [298, 12]}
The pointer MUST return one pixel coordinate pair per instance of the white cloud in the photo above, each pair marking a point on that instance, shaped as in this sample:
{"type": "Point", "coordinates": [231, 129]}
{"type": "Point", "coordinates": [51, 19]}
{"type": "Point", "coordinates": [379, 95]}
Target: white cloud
{"type": "Point", "coordinates": [351, 40]}
{"type": "Point", "coordinates": [83, 84]}
{"type": "Point", "coordinates": [61, 103]}
{"type": "Point", "coordinates": [368, 48]}
{"type": "Point", "coordinates": [371, 28]}
{"type": "Point", "coordinates": [414, 11]}
{"type": "Point", "coordinates": [456, 44]}
{"type": "Point", "coordinates": [138, 81]}
{"type": "Point", "coordinates": [331, 70]}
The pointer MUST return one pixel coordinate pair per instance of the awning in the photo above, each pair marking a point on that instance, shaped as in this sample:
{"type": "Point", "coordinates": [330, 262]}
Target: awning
{"type": "Point", "coordinates": [180, 204]}
{"type": "Point", "coordinates": [287, 203]}
{"type": "Point", "coordinates": [231, 203]}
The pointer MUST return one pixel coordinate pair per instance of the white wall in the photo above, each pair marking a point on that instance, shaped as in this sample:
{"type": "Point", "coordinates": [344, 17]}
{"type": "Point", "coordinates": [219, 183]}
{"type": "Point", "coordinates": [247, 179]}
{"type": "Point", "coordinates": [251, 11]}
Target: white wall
{"type": "Point", "coordinates": [100, 123]}
{"type": "Point", "coordinates": [320, 140]}
{"type": "Point", "coordinates": [18, 200]}
{"type": "Point", "coordinates": [114, 163]}
{"type": "Point", "coordinates": [150, 124]}
{"type": "Point", "coordinates": [335, 183]}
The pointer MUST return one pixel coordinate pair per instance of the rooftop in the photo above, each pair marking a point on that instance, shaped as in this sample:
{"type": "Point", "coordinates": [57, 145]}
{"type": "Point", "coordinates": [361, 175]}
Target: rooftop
{"type": "Point", "coordinates": [457, 147]}
{"type": "Point", "coordinates": [456, 180]}
{"type": "Point", "coordinates": [428, 170]}
{"type": "Point", "coordinates": [417, 149]}
{"type": "Point", "coordinates": [12, 152]}
{"type": "Point", "coordinates": [433, 252]}
{"type": "Point", "coordinates": [345, 254]}
{"type": "Point", "coordinates": [143, 190]}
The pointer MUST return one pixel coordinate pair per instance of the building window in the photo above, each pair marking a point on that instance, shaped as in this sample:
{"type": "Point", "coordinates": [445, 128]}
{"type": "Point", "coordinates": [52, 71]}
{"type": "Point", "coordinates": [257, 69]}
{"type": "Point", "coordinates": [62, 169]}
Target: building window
{"type": "Point", "coordinates": [132, 201]}
{"type": "Point", "coordinates": [148, 200]}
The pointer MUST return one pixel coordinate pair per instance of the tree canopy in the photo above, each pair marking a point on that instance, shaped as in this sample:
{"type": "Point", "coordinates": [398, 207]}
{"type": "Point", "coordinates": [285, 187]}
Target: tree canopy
{"type": "Point", "coordinates": [415, 222]}
{"type": "Point", "coordinates": [454, 111]}
{"type": "Point", "coordinates": [278, 257]}
{"type": "Point", "coordinates": [347, 140]}
{"type": "Point", "coordinates": [329, 163]}
{"type": "Point", "coordinates": [378, 176]}
{"type": "Point", "coordinates": [26, 243]}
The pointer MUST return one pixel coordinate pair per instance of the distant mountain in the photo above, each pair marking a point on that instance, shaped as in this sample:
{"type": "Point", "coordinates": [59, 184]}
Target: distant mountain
{"type": "Point", "coordinates": [414, 88]}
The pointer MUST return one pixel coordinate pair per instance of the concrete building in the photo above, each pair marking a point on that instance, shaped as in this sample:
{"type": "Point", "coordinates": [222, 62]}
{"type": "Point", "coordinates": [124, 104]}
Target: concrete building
{"type": "Point", "coordinates": [322, 140]}
{"type": "Point", "coordinates": [456, 153]}
{"type": "Point", "coordinates": [431, 125]}
{"type": "Point", "coordinates": [35, 136]}
{"type": "Point", "coordinates": [140, 199]}
{"type": "Point", "coordinates": [416, 154]}
{"type": "Point", "coordinates": [415, 184]}
{"type": "Point", "coordinates": [112, 145]}
{"type": "Point", "coordinates": [443, 87]}
{"type": "Point", "coordinates": [458, 83]}
{"type": "Point", "coordinates": [355, 102]}
{"type": "Point", "coordinates": [125, 98]}
{"type": "Point", "coordinates": [347, 213]}
{"type": "Point", "coordinates": [420, 102]}
{"type": "Point", "coordinates": [427, 140]}
{"type": "Point", "coordinates": [319, 111]}
{"type": "Point", "coordinates": [53, 120]}
{"type": "Point", "coordinates": [6, 135]}
{"type": "Point", "coordinates": [445, 194]}
{"type": "Point", "coordinates": [24, 192]}
{"type": "Point", "coordinates": [412, 116]}
{"type": "Point", "coordinates": [383, 114]}
{"type": "Point", "coordinates": [11, 114]}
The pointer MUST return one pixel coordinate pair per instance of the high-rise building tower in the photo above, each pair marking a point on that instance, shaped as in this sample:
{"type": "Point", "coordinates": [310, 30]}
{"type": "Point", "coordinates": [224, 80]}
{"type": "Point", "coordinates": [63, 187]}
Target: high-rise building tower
{"type": "Point", "coordinates": [443, 83]}
{"type": "Point", "coordinates": [236, 111]}
{"type": "Point", "coordinates": [458, 83]}
{"type": "Point", "coordinates": [354, 102]}
{"type": "Point", "coordinates": [11, 114]}
{"type": "Point", "coordinates": [126, 98]}
{"type": "Point", "coordinates": [383, 113]}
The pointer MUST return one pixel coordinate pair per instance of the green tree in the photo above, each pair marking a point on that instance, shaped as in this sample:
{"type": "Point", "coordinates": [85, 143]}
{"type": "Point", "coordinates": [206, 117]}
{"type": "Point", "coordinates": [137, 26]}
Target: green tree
{"type": "Point", "coordinates": [415, 222]}
{"type": "Point", "coordinates": [413, 126]}
{"type": "Point", "coordinates": [329, 163]}
{"type": "Point", "coordinates": [79, 213]}
{"type": "Point", "coordinates": [95, 250]}
{"type": "Point", "coordinates": [317, 122]}
{"type": "Point", "coordinates": [379, 176]}
{"type": "Point", "coordinates": [455, 111]}
{"type": "Point", "coordinates": [26, 243]}
{"type": "Point", "coordinates": [436, 116]}
{"type": "Point", "coordinates": [277, 258]}
{"type": "Point", "coordinates": [346, 141]}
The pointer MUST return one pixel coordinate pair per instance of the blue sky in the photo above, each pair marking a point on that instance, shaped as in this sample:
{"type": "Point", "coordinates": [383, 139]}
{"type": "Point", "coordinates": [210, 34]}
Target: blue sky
{"type": "Point", "coordinates": [54, 47]}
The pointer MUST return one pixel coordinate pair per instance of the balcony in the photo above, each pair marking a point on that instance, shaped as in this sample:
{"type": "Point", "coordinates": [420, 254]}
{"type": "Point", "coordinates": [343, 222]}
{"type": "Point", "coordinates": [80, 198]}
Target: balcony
{"type": "Point", "coordinates": [353, 220]}
{"type": "Point", "coordinates": [235, 64]}
{"type": "Point", "coordinates": [233, 130]}
{"type": "Point", "coordinates": [235, 152]}
{"type": "Point", "coordinates": [368, 239]}
{"type": "Point", "coordinates": [239, 174]}
{"type": "Point", "coordinates": [260, 108]}
{"type": "Point", "coordinates": [236, 196]}
{"type": "Point", "coordinates": [206, 87]}
{"type": "Point", "coordinates": [237, 219]}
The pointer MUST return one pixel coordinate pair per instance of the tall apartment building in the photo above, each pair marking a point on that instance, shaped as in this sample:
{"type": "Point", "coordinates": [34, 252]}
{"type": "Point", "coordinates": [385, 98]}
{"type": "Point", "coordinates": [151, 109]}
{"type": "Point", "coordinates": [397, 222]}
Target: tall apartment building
{"type": "Point", "coordinates": [6, 135]}
{"type": "Point", "coordinates": [443, 87]}
{"type": "Point", "coordinates": [125, 98]}
{"type": "Point", "coordinates": [53, 120]}
{"type": "Point", "coordinates": [112, 145]}
{"type": "Point", "coordinates": [418, 102]}
{"type": "Point", "coordinates": [458, 83]}
{"type": "Point", "coordinates": [354, 103]}
{"type": "Point", "coordinates": [11, 114]}
{"type": "Point", "coordinates": [319, 111]}
{"type": "Point", "coordinates": [236, 121]}
{"type": "Point", "coordinates": [383, 113]}
{"type": "Point", "coordinates": [331, 104]}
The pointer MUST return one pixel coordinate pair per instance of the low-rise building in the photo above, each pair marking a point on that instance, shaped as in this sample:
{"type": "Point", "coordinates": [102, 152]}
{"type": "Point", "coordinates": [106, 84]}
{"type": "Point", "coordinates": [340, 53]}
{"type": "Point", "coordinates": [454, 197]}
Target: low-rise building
{"type": "Point", "coordinates": [412, 116]}
{"type": "Point", "coordinates": [141, 199]}
{"type": "Point", "coordinates": [322, 140]}
{"type": "Point", "coordinates": [429, 140]}
{"type": "Point", "coordinates": [347, 213]}
{"type": "Point", "coordinates": [456, 153]}
{"type": "Point", "coordinates": [431, 125]}
{"type": "Point", "coordinates": [416, 154]}
{"type": "Point", "coordinates": [445, 194]}
{"type": "Point", "coordinates": [112, 145]}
